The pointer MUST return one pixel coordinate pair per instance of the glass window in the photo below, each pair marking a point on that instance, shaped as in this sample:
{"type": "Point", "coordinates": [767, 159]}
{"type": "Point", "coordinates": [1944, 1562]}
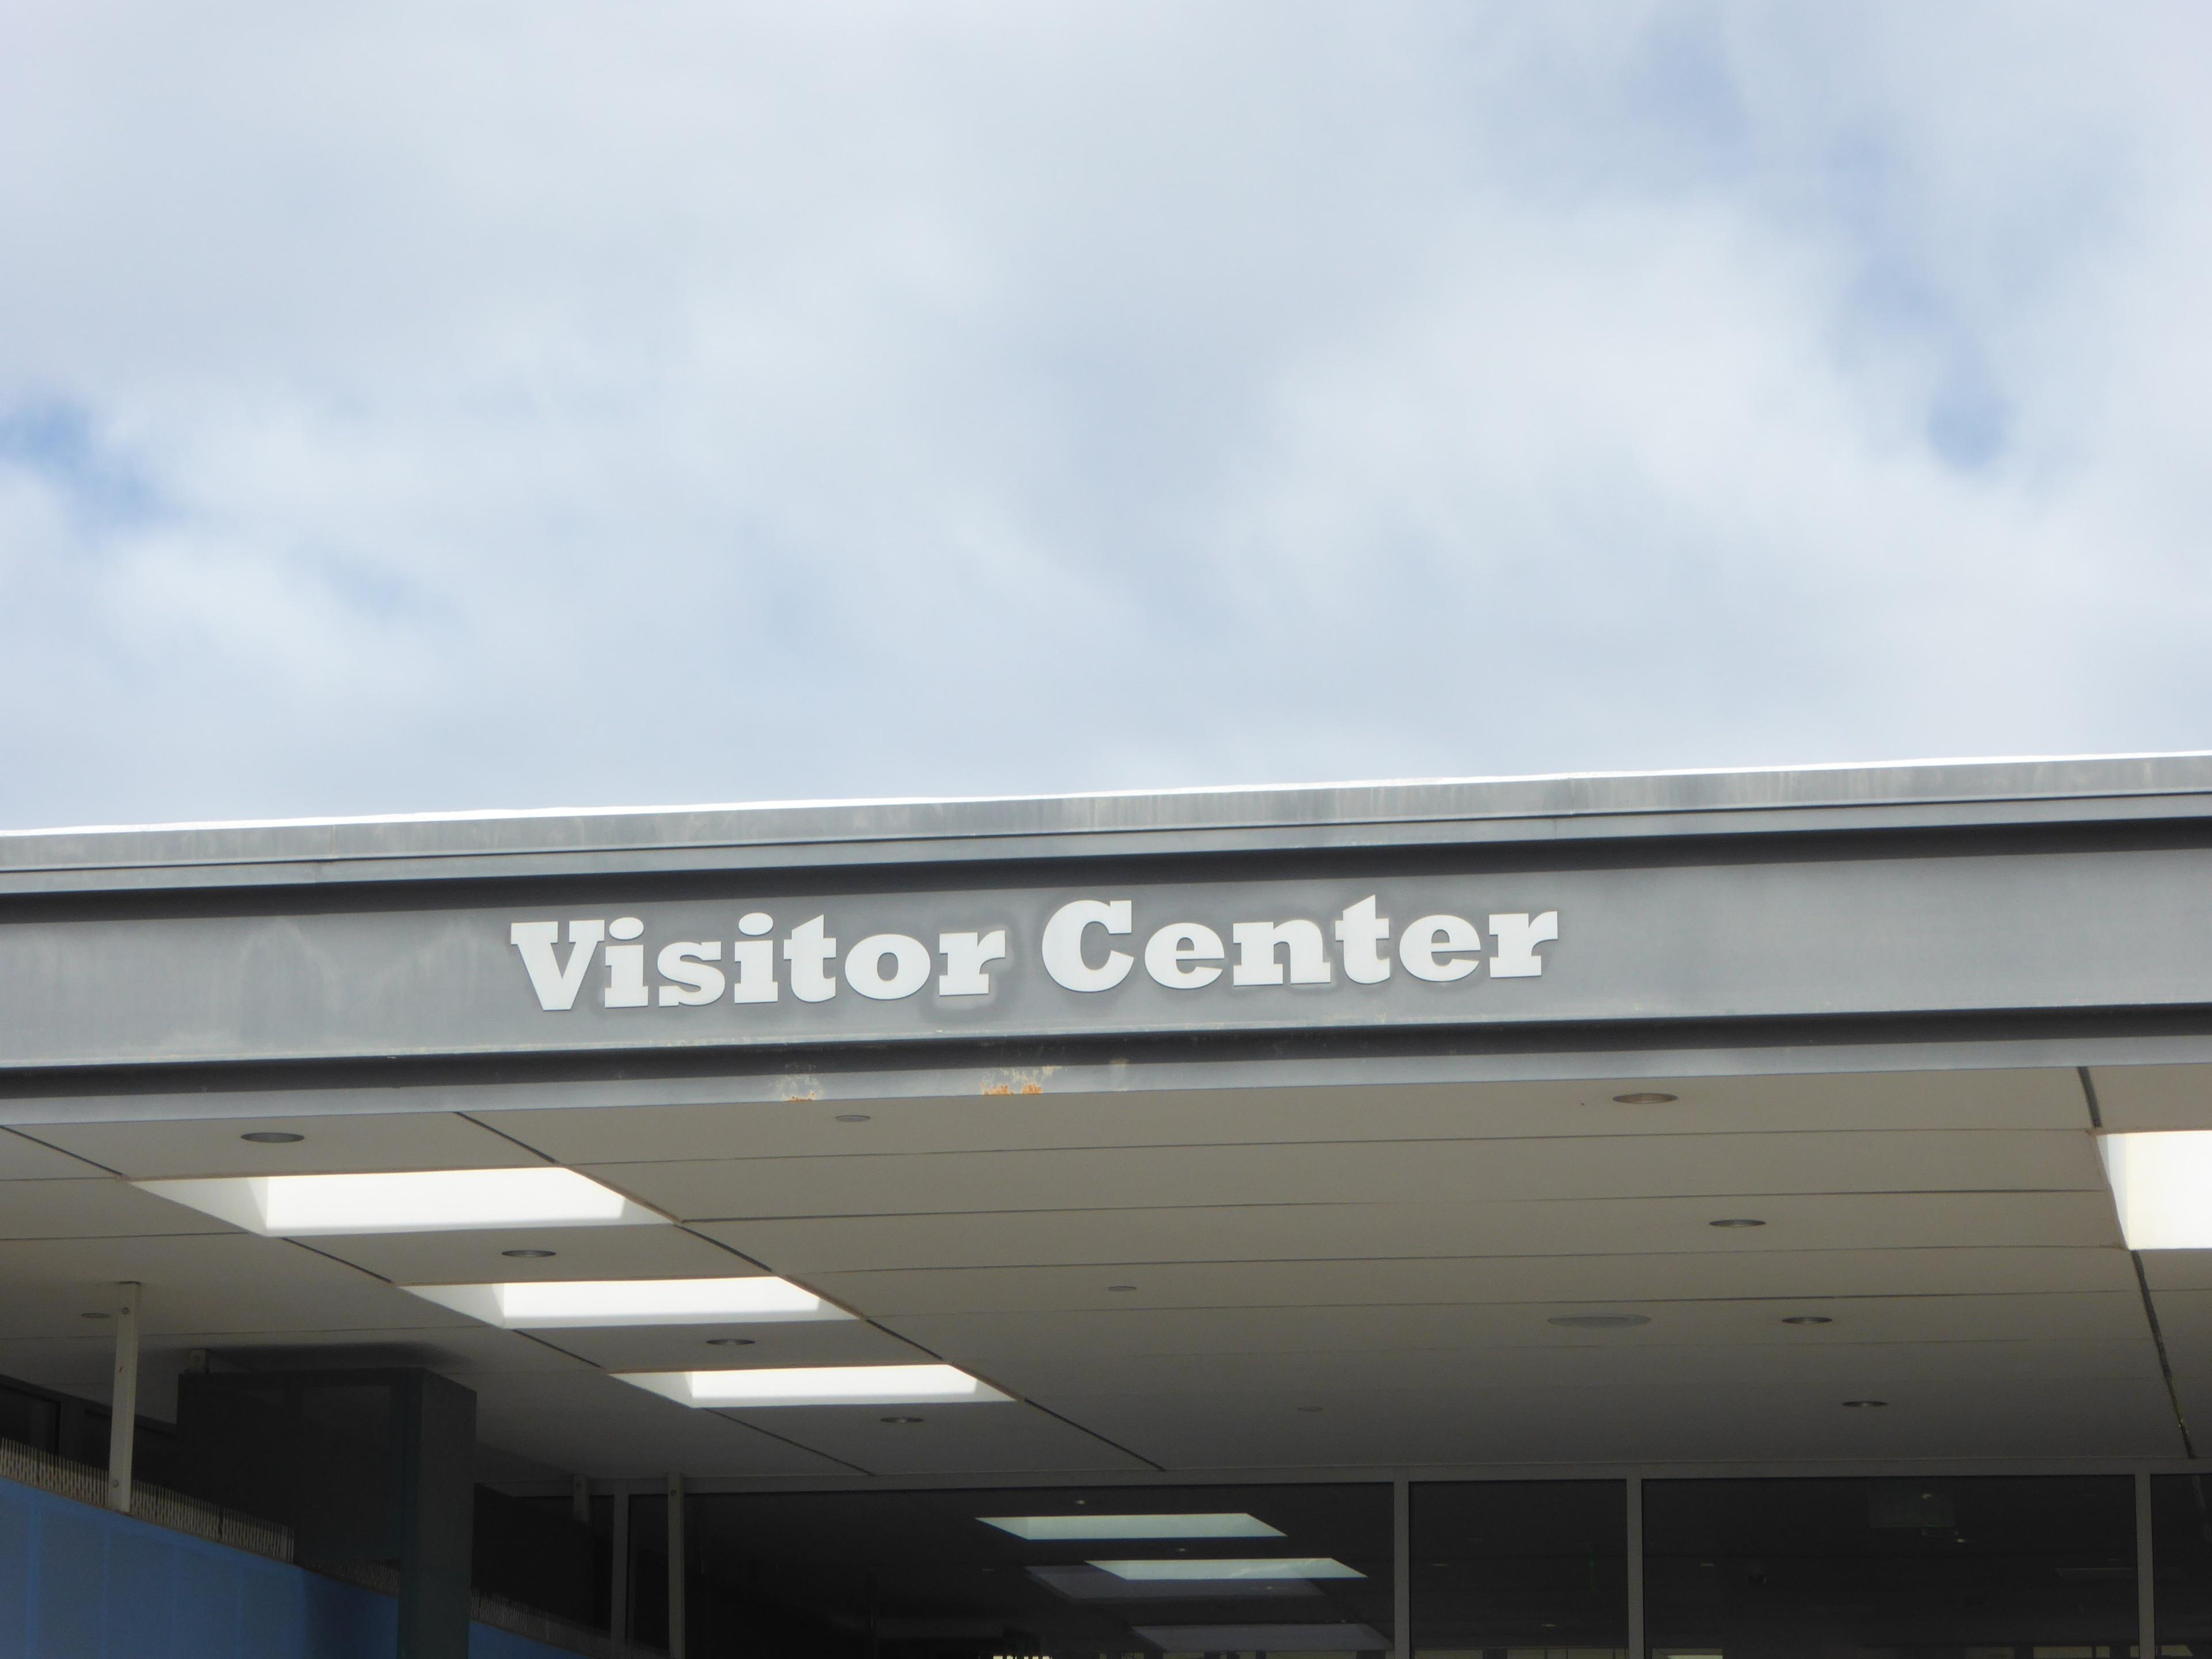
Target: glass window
{"type": "Point", "coordinates": [2181, 1548]}
{"type": "Point", "coordinates": [1520, 1567]}
{"type": "Point", "coordinates": [1066, 1572]}
{"type": "Point", "coordinates": [2000, 1568]}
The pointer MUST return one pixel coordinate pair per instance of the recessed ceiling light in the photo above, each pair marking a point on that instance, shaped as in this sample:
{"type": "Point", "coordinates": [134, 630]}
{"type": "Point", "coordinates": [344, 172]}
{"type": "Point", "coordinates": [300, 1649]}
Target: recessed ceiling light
{"type": "Point", "coordinates": [854, 1117]}
{"type": "Point", "coordinates": [1735, 1221]}
{"type": "Point", "coordinates": [530, 1256]}
{"type": "Point", "coordinates": [423, 1201]}
{"type": "Point", "coordinates": [1599, 1322]}
{"type": "Point", "coordinates": [2162, 1186]}
{"type": "Point", "coordinates": [729, 1342]}
{"type": "Point", "coordinates": [1808, 1319]}
{"type": "Point", "coordinates": [1118, 1288]}
{"type": "Point", "coordinates": [1865, 1405]}
{"type": "Point", "coordinates": [271, 1137]}
{"type": "Point", "coordinates": [1645, 1098]}
{"type": "Point", "coordinates": [898, 1419]}
{"type": "Point", "coordinates": [1048, 1529]}
{"type": "Point", "coordinates": [1231, 1569]}
{"type": "Point", "coordinates": [820, 1385]}
{"type": "Point", "coordinates": [550, 1306]}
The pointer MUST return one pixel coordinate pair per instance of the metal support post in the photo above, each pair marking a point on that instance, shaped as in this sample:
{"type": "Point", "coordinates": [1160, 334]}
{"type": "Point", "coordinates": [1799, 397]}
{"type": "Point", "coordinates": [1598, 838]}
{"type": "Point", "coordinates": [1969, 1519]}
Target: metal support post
{"type": "Point", "coordinates": [1638, 1645]}
{"type": "Point", "coordinates": [123, 1399]}
{"type": "Point", "coordinates": [676, 1566]}
{"type": "Point", "coordinates": [1402, 1568]}
{"type": "Point", "coordinates": [2146, 1577]}
{"type": "Point", "coordinates": [618, 1591]}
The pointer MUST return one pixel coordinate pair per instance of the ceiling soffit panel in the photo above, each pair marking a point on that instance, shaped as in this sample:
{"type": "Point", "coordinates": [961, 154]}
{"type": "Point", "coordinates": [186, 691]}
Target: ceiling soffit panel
{"type": "Point", "coordinates": [1993, 1417]}
{"type": "Point", "coordinates": [599, 1426]}
{"type": "Point", "coordinates": [708, 1347]}
{"type": "Point", "coordinates": [2046, 1098]}
{"type": "Point", "coordinates": [2153, 1097]}
{"type": "Point", "coordinates": [24, 1159]}
{"type": "Point", "coordinates": [1720, 1328]}
{"type": "Point", "coordinates": [100, 1208]}
{"type": "Point", "coordinates": [1837, 1370]}
{"type": "Point", "coordinates": [480, 1256]}
{"type": "Point", "coordinates": [893, 1292]}
{"type": "Point", "coordinates": [1346, 1232]}
{"type": "Point", "coordinates": [993, 1439]}
{"type": "Point", "coordinates": [1394, 1172]}
{"type": "Point", "coordinates": [159, 1148]}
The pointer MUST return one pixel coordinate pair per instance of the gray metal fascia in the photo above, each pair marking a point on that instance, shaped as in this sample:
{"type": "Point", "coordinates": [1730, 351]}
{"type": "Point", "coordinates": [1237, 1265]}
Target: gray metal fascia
{"type": "Point", "coordinates": [1985, 794]}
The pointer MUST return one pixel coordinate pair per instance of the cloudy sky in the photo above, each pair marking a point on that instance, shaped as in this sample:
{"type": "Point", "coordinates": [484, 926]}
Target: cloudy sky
{"type": "Point", "coordinates": [533, 402]}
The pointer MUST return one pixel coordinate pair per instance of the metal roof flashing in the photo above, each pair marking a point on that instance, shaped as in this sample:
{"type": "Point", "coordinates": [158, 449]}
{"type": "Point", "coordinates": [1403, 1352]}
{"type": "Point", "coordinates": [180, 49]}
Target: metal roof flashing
{"type": "Point", "coordinates": [1545, 808]}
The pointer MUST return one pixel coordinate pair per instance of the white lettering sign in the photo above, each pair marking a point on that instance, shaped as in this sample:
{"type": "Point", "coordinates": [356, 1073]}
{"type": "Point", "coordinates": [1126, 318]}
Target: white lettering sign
{"type": "Point", "coordinates": [1077, 949]}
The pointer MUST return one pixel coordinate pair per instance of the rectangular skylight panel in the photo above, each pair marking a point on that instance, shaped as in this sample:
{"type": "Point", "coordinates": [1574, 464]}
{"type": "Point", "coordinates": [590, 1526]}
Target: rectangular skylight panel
{"type": "Point", "coordinates": [820, 1385]}
{"type": "Point", "coordinates": [423, 1201]}
{"type": "Point", "coordinates": [557, 1304]}
{"type": "Point", "coordinates": [2162, 1187]}
{"type": "Point", "coordinates": [1044, 1528]}
{"type": "Point", "coordinates": [1256, 1568]}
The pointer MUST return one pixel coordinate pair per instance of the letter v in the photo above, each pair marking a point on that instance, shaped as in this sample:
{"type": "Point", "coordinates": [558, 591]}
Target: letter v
{"type": "Point", "coordinates": [556, 985]}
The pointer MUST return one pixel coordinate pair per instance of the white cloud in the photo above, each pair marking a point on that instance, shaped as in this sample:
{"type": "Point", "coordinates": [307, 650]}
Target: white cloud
{"type": "Point", "coordinates": [545, 402]}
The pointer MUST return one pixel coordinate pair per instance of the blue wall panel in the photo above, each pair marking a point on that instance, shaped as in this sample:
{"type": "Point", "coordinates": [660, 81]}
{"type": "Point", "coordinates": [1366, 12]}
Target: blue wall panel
{"type": "Point", "coordinates": [79, 1583]}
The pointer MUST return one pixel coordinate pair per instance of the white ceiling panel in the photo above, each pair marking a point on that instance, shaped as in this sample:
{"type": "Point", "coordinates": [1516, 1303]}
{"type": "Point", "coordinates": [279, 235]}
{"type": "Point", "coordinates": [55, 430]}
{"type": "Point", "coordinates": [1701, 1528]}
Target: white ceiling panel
{"type": "Point", "coordinates": [211, 1146]}
{"type": "Point", "coordinates": [2094, 1416]}
{"type": "Point", "coordinates": [893, 1292]}
{"type": "Point", "coordinates": [101, 1208]}
{"type": "Point", "coordinates": [478, 1256]}
{"type": "Point", "coordinates": [22, 1158]}
{"type": "Point", "coordinates": [1324, 1232]}
{"type": "Point", "coordinates": [984, 1440]}
{"type": "Point", "coordinates": [1366, 1172]}
{"type": "Point", "coordinates": [1012, 1119]}
{"type": "Point", "coordinates": [2153, 1097]}
{"type": "Point", "coordinates": [592, 1425]}
{"type": "Point", "coordinates": [692, 1347]}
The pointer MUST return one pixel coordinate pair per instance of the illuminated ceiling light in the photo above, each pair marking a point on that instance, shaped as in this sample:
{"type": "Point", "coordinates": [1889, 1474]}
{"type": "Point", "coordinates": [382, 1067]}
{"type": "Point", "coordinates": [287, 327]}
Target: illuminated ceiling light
{"type": "Point", "coordinates": [1048, 1527]}
{"type": "Point", "coordinates": [820, 1385]}
{"type": "Point", "coordinates": [2162, 1185]}
{"type": "Point", "coordinates": [1233, 1570]}
{"type": "Point", "coordinates": [554, 1304]}
{"type": "Point", "coordinates": [424, 1201]}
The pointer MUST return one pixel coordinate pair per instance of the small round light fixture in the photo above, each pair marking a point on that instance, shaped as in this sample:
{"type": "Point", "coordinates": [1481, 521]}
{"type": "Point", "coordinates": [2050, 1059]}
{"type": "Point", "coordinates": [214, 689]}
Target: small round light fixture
{"type": "Point", "coordinates": [1119, 1289]}
{"type": "Point", "coordinates": [1808, 1319]}
{"type": "Point", "coordinates": [729, 1342]}
{"type": "Point", "coordinates": [272, 1137]}
{"type": "Point", "coordinates": [898, 1419]}
{"type": "Point", "coordinates": [1865, 1405]}
{"type": "Point", "coordinates": [527, 1255]}
{"type": "Point", "coordinates": [860, 1117]}
{"type": "Point", "coordinates": [1598, 1321]}
{"type": "Point", "coordinates": [1735, 1221]}
{"type": "Point", "coordinates": [1645, 1097]}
